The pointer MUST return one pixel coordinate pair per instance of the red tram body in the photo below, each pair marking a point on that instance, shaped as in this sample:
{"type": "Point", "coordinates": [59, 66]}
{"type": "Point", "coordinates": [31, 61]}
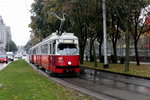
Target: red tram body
{"type": "Point", "coordinates": [57, 53]}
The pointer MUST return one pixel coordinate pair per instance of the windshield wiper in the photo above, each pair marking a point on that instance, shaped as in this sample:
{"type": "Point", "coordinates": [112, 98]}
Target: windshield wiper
{"type": "Point", "coordinates": [66, 52]}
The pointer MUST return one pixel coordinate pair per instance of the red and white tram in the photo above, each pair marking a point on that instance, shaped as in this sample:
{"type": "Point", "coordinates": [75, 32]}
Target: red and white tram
{"type": "Point", "coordinates": [57, 53]}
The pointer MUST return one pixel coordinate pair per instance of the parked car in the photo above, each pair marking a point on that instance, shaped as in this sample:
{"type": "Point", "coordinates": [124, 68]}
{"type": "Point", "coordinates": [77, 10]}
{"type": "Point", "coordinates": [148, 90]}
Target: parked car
{"type": "Point", "coordinates": [3, 58]}
{"type": "Point", "coordinates": [24, 56]}
{"type": "Point", "coordinates": [10, 56]}
{"type": "Point", "coordinates": [18, 56]}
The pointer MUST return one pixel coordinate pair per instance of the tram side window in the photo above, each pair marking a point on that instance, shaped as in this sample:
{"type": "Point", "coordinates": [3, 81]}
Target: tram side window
{"type": "Point", "coordinates": [37, 50]}
{"type": "Point", "coordinates": [41, 50]}
{"type": "Point", "coordinates": [50, 49]}
{"type": "Point", "coordinates": [31, 52]}
{"type": "Point", "coordinates": [53, 48]}
{"type": "Point", "coordinates": [34, 51]}
{"type": "Point", "coordinates": [45, 49]}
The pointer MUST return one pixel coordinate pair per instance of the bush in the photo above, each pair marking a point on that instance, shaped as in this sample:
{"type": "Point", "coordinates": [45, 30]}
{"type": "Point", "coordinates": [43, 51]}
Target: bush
{"type": "Point", "coordinates": [113, 58]}
{"type": "Point", "coordinates": [102, 59]}
{"type": "Point", "coordinates": [122, 59]}
{"type": "Point", "coordinates": [91, 58]}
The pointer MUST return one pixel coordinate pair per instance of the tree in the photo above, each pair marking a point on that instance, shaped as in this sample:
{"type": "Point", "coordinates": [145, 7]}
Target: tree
{"type": "Point", "coordinates": [123, 11]}
{"type": "Point", "coordinates": [11, 46]}
{"type": "Point", "coordinates": [79, 26]}
{"type": "Point", "coordinates": [38, 23]}
{"type": "Point", "coordinates": [113, 24]}
{"type": "Point", "coordinates": [137, 26]}
{"type": "Point", "coordinates": [129, 15]}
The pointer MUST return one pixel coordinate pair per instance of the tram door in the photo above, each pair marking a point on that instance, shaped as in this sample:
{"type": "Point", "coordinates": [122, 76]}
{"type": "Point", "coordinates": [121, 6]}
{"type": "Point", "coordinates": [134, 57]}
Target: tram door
{"type": "Point", "coordinates": [52, 53]}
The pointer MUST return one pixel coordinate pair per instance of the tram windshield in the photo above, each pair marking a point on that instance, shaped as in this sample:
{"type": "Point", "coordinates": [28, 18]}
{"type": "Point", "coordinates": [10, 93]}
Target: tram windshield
{"type": "Point", "coordinates": [67, 49]}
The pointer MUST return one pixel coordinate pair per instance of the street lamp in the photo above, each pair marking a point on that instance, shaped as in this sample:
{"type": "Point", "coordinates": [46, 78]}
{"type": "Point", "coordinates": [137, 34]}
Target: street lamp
{"type": "Point", "coordinates": [104, 35]}
{"type": "Point", "coordinates": [8, 45]}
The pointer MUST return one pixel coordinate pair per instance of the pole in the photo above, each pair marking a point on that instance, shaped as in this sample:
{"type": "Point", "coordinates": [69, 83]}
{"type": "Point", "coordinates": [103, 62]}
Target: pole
{"type": "Point", "coordinates": [104, 35]}
{"type": "Point", "coordinates": [8, 46]}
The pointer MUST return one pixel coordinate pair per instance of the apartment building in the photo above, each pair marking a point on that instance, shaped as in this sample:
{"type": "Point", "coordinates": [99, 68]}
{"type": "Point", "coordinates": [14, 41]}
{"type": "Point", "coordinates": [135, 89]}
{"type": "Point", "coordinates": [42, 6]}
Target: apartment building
{"type": "Point", "coordinates": [5, 35]}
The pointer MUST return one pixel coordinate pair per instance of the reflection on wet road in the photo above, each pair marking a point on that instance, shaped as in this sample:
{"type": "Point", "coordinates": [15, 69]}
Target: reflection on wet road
{"type": "Point", "coordinates": [118, 81]}
{"type": "Point", "coordinates": [113, 85]}
{"type": "Point", "coordinates": [2, 65]}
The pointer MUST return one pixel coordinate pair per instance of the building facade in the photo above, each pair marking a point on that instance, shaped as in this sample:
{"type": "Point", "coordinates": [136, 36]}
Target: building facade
{"type": "Point", "coordinates": [5, 35]}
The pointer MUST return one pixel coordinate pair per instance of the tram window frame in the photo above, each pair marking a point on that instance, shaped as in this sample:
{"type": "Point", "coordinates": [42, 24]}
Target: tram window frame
{"type": "Point", "coordinates": [50, 48]}
{"type": "Point", "coordinates": [37, 50]}
{"type": "Point", "coordinates": [46, 48]}
{"type": "Point", "coordinates": [54, 47]}
{"type": "Point", "coordinates": [42, 50]}
{"type": "Point", "coordinates": [34, 51]}
{"type": "Point", "coordinates": [31, 51]}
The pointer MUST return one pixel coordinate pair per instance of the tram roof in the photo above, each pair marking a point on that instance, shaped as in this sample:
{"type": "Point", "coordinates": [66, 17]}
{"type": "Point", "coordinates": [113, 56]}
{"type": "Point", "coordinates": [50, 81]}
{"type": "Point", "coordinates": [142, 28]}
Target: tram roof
{"type": "Point", "coordinates": [54, 36]}
{"type": "Point", "coordinates": [64, 35]}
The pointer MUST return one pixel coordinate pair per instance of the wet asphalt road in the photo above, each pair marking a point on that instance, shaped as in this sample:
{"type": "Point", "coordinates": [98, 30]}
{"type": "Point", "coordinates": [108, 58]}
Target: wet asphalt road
{"type": "Point", "coordinates": [113, 86]}
{"type": "Point", "coordinates": [104, 85]}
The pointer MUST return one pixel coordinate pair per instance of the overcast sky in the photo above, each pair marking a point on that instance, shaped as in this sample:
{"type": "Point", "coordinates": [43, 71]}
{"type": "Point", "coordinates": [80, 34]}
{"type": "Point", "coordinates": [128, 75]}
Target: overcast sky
{"type": "Point", "coordinates": [16, 14]}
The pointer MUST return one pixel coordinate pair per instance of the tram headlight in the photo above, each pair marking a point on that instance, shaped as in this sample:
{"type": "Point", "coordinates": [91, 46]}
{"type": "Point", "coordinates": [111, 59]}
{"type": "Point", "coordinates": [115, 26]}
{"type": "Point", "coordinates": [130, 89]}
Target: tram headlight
{"type": "Point", "coordinates": [69, 63]}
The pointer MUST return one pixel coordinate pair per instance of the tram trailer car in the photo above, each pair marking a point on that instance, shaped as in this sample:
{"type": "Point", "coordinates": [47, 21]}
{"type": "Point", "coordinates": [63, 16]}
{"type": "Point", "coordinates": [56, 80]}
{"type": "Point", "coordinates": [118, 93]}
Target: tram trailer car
{"type": "Point", "coordinates": [31, 55]}
{"type": "Point", "coordinates": [57, 54]}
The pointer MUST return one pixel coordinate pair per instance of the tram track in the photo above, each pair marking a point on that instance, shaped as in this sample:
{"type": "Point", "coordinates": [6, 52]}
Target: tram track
{"type": "Point", "coordinates": [98, 90]}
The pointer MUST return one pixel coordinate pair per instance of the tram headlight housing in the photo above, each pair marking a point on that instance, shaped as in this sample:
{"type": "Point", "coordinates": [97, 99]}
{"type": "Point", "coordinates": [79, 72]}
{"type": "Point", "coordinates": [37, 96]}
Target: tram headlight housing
{"type": "Point", "coordinates": [69, 63]}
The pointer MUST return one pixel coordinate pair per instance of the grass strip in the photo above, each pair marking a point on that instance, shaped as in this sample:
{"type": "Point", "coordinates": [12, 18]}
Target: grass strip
{"type": "Point", "coordinates": [20, 82]}
{"type": "Point", "coordinates": [142, 70]}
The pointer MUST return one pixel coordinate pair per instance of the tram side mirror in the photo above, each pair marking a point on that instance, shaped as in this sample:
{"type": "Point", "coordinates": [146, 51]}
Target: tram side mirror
{"type": "Point", "coordinates": [76, 41]}
{"type": "Point", "coordinates": [61, 40]}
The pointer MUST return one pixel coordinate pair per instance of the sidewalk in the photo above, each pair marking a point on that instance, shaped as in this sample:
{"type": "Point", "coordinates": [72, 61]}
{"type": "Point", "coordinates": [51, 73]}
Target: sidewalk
{"type": "Point", "coordinates": [2, 66]}
{"type": "Point", "coordinates": [140, 62]}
